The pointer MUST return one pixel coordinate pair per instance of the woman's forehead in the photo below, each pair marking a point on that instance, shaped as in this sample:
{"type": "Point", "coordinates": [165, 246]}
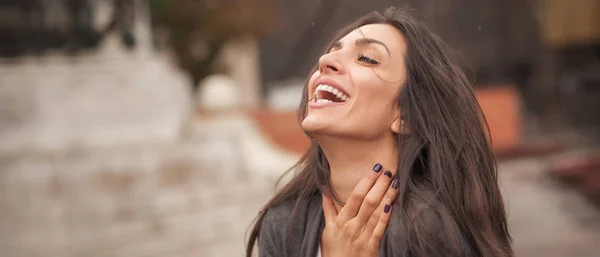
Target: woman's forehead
{"type": "Point", "coordinates": [385, 33]}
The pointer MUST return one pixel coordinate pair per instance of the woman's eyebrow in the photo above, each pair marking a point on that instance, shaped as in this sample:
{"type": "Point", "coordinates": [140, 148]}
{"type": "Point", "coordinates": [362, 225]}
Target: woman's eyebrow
{"type": "Point", "coordinates": [365, 41]}
{"type": "Point", "coordinates": [362, 42]}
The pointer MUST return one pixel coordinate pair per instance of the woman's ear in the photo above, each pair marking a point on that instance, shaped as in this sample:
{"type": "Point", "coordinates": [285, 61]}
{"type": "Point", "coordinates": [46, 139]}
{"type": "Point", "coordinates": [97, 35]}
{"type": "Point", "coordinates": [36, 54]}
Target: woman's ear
{"type": "Point", "coordinates": [399, 126]}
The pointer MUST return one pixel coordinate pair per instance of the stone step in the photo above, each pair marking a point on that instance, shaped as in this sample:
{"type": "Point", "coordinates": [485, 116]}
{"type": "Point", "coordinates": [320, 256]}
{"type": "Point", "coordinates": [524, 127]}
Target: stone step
{"type": "Point", "coordinates": [63, 105]}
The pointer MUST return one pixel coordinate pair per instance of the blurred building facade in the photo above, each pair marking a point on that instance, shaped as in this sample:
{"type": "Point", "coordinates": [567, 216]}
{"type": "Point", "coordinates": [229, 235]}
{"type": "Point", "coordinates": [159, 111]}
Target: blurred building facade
{"type": "Point", "coordinates": [104, 153]}
{"type": "Point", "coordinates": [94, 160]}
{"type": "Point", "coordinates": [82, 93]}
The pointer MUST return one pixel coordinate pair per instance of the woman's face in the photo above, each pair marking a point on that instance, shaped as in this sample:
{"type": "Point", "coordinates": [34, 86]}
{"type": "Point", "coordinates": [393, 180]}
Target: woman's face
{"type": "Point", "coordinates": [353, 92]}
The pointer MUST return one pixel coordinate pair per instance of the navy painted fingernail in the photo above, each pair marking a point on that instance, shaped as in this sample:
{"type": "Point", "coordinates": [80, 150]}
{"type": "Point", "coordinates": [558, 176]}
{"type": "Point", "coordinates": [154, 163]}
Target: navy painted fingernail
{"type": "Point", "coordinates": [387, 207]}
{"type": "Point", "coordinates": [377, 167]}
{"type": "Point", "coordinates": [395, 184]}
{"type": "Point", "coordinates": [388, 173]}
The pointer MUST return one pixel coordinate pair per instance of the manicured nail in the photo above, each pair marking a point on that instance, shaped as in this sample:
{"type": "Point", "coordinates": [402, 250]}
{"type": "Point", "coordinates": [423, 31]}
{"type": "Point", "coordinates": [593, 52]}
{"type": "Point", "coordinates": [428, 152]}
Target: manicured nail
{"type": "Point", "coordinates": [387, 207]}
{"type": "Point", "coordinates": [377, 167]}
{"type": "Point", "coordinates": [395, 184]}
{"type": "Point", "coordinates": [388, 173]}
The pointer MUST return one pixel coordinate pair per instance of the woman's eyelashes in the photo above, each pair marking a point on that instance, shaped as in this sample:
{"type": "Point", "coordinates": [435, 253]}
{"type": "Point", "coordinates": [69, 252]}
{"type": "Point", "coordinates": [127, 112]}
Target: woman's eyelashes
{"type": "Point", "coordinates": [366, 59]}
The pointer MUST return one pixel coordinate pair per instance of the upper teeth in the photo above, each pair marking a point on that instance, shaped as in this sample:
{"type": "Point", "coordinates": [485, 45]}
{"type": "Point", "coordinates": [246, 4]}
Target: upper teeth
{"type": "Point", "coordinates": [330, 89]}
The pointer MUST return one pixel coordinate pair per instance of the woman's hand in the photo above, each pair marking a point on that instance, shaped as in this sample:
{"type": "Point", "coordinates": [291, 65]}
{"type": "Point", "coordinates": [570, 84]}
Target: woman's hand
{"type": "Point", "coordinates": [356, 231]}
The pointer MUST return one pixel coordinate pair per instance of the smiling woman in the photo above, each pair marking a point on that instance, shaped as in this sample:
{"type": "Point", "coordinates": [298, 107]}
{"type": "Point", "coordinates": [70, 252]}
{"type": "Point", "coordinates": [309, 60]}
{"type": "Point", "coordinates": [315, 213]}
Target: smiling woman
{"type": "Point", "coordinates": [363, 65]}
{"type": "Point", "coordinates": [399, 163]}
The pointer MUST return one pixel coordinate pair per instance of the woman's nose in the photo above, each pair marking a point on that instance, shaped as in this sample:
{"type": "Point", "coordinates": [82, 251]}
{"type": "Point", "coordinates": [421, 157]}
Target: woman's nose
{"type": "Point", "coordinates": [328, 63]}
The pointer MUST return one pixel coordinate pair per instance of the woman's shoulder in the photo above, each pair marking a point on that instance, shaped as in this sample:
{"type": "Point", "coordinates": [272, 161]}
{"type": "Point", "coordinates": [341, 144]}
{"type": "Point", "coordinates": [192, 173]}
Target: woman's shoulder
{"type": "Point", "coordinates": [273, 227]}
{"type": "Point", "coordinates": [280, 212]}
{"type": "Point", "coordinates": [287, 224]}
{"type": "Point", "coordinates": [292, 207]}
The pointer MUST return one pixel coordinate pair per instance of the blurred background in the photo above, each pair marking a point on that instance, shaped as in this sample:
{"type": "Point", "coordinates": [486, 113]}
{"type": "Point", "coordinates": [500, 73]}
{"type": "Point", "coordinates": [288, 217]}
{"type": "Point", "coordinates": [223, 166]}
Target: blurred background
{"type": "Point", "coordinates": [159, 127]}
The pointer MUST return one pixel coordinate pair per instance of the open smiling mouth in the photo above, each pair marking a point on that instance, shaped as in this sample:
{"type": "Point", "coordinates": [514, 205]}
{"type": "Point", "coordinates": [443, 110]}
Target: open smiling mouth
{"type": "Point", "coordinates": [325, 93]}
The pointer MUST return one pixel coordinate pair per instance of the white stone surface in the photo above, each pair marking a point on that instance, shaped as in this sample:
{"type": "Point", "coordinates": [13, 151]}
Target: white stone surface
{"type": "Point", "coordinates": [240, 60]}
{"type": "Point", "coordinates": [174, 199]}
{"type": "Point", "coordinates": [99, 98]}
{"type": "Point", "coordinates": [56, 105]}
{"type": "Point", "coordinates": [286, 95]}
{"type": "Point", "coordinates": [93, 161]}
{"type": "Point", "coordinates": [218, 92]}
{"type": "Point", "coordinates": [255, 152]}
{"type": "Point", "coordinates": [545, 218]}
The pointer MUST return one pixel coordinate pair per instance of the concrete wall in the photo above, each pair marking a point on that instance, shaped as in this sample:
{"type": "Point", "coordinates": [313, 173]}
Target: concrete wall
{"type": "Point", "coordinates": [100, 155]}
{"type": "Point", "coordinates": [106, 97]}
{"type": "Point", "coordinates": [54, 104]}
{"type": "Point", "coordinates": [148, 200]}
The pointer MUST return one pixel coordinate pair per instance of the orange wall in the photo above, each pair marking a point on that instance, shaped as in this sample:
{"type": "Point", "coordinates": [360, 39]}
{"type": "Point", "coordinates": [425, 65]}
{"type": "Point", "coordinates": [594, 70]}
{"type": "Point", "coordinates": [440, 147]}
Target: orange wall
{"type": "Point", "coordinates": [501, 106]}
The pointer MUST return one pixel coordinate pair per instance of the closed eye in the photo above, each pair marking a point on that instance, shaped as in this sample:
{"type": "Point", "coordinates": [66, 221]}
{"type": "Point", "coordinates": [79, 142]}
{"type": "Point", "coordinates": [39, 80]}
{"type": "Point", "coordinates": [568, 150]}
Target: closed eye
{"type": "Point", "coordinates": [367, 59]}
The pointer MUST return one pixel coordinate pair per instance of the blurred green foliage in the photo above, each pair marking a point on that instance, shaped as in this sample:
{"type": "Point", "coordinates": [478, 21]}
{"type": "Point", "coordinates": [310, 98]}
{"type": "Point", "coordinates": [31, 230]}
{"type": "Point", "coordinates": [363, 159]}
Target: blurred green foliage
{"type": "Point", "coordinates": [199, 29]}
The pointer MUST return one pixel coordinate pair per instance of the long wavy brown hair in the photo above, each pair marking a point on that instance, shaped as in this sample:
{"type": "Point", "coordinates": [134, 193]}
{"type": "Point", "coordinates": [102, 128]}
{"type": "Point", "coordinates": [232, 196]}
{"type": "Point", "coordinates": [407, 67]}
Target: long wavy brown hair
{"type": "Point", "coordinates": [445, 162]}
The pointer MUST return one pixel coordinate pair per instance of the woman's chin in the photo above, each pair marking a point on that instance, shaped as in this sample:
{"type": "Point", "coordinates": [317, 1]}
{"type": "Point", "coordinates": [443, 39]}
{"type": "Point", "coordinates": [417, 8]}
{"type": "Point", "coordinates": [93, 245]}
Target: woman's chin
{"type": "Point", "coordinates": [312, 125]}
{"type": "Point", "coordinates": [308, 126]}
{"type": "Point", "coordinates": [324, 125]}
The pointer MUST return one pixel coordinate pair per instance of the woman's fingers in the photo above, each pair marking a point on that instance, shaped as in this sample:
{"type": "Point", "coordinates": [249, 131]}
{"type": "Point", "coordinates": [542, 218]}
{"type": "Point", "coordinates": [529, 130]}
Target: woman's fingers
{"type": "Point", "coordinates": [329, 210]}
{"type": "Point", "coordinates": [374, 198]}
{"type": "Point", "coordinates": [388, 198]}
{"type": "Point", "coordinates": [379, 231]}
{"type": "Point", "coordinates": [358, 194]}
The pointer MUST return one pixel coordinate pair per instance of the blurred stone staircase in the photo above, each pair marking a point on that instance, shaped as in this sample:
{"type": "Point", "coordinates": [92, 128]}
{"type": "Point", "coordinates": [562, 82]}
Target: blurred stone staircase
{"type": "Point", "coordinates": [95, 160]}
{"type": "Point", "coordinates": [57, 103]}
{"type": "Point", "coordinates": [173, 199]}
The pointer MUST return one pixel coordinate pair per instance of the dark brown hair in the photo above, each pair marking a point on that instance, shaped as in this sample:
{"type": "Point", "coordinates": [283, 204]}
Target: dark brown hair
{"type": "Point", "coordinates": [445, 164]}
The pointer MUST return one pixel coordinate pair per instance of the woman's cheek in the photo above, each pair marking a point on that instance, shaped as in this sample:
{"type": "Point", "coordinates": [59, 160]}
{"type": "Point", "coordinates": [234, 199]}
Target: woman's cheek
{"type": "Point", "coordinates": [365, 76]}
{"type": "Point", "coordinates": [311, 81]}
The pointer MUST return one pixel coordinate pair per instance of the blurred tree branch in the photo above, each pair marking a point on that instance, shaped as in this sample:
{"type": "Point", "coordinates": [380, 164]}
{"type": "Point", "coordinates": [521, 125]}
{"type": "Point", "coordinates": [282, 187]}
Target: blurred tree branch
{"type": "Point", "coordinates": [199, 29]}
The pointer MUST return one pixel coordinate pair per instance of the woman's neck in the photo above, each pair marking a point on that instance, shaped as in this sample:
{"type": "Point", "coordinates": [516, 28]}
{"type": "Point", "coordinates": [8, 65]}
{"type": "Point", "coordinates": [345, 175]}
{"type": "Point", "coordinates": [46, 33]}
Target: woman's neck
{"type": "Point", "coordinates": [349, 161]}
